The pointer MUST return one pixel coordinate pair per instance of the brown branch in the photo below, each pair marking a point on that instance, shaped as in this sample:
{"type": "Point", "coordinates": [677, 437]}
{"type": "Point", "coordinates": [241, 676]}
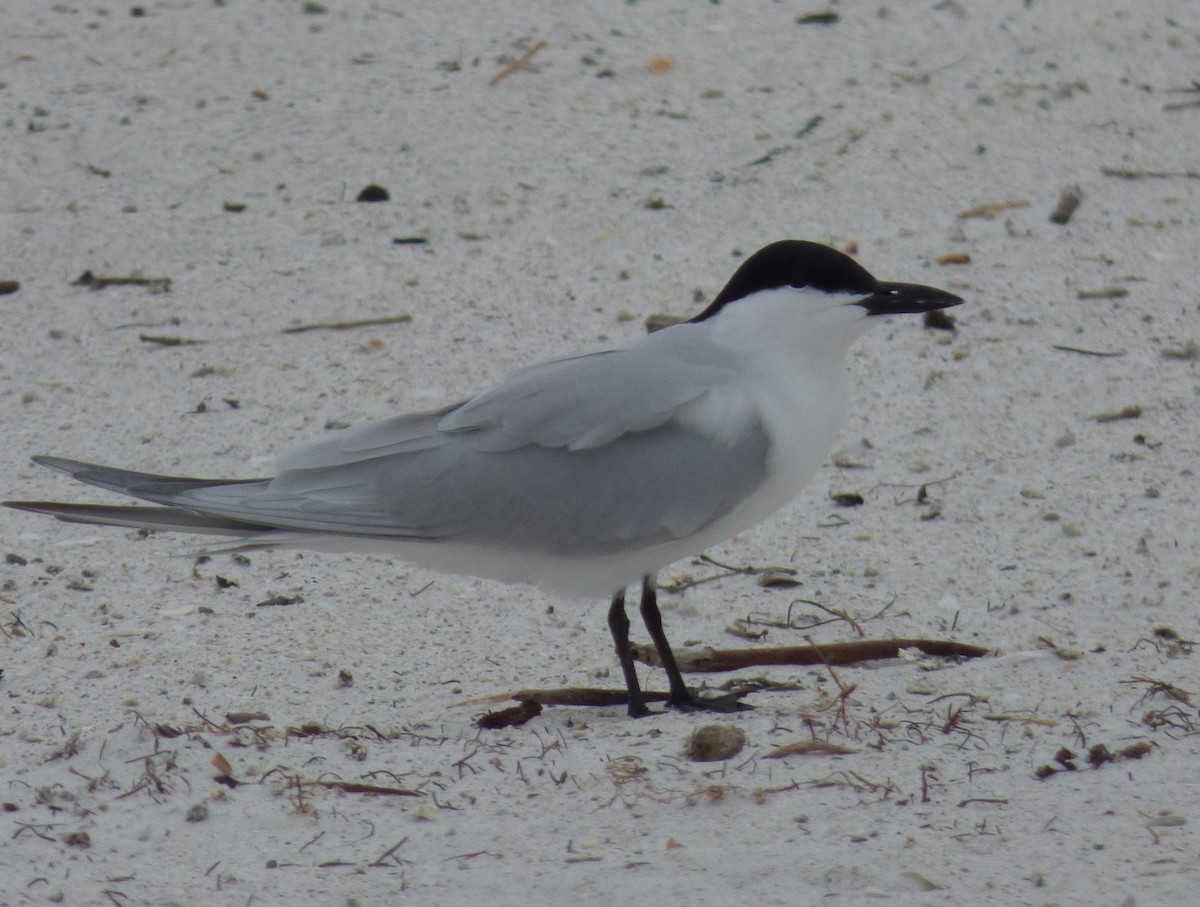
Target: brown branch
{"type": "Point", "coordinates": [581, 696]}
{"type": "Point", "coordinates": [837, 653]}
{"type": "Point", "coordinates": [717, 660]}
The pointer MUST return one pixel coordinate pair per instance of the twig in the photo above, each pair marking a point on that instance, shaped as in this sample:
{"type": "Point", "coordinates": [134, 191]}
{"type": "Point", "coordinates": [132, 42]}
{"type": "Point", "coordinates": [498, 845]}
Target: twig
{"type": "Point", "coordinates": [1129, 412]}
{"type": "Point", "coordinates": [844, 691]}
{"type": "Point", "coordinates": [312, 841]}
{"type": "Point", "coordinates": [472, 855]}
{"type": "Point", "coordinates": [730, 570]}
{"type": "Point", "coordinates": [1155, 687]}
{"type": "Point", "coordinates": [810, 748]}
{"type": "Point", "coordinates": [1103, 293]}
{"type": "Point", "coordinates": [770, 154]}
{"type": "Point", "coordinates": [1189, 350]}
{"type": "Point", "coordinates": [212, 726]}
{"type": "Point", "coordinates": [347, 325]}
{"type": "Point", "coordinates": [359, 787]}
{"type": "Point", "coordinates": [391, 850]}
{"type": "Point", "coordinates": [836, 653]}
{"type": "Point", "coordinates": [824, 17]}
{"type": "Point", "coordinates": [1021, 719]}
{"type": "Point", "coordinates": [165, 340]}
{"type": "Point", "coordinates": [34, 827]}
{"type": "Point", "coordinates": [1194, 88]}
{"type": "Point", "coordinates": [517, 63]}
{"type": "Point", "coordinates": [95, 282]}
{"type": "Point", "coordinates": [1131, 173]}
{"type": "Point", "coordinates": [836, 615]}
{"type": "Point", "coordinates": [1085, 352]}
{"type": "Point", "coordinates": [989, 211]}
{"type": "Point", "coordinates": [717, 660]}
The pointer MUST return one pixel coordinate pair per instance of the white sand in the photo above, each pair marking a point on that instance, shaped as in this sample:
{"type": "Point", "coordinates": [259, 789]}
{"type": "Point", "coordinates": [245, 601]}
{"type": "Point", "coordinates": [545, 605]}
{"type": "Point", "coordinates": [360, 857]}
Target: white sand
{"type": "Point", "coordinates": [124, 138]}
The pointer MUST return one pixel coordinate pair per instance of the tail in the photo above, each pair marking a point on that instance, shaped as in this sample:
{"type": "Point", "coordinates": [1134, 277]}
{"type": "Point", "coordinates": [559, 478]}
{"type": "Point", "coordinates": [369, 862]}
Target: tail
{"type": "Point", "coordinates": [145, 486]}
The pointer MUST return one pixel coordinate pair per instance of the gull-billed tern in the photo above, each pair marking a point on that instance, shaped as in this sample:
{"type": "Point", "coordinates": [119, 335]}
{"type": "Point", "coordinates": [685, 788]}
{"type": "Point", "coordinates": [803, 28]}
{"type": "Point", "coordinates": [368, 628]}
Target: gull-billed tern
{"type": "Point", "coordinates": [582, 474]}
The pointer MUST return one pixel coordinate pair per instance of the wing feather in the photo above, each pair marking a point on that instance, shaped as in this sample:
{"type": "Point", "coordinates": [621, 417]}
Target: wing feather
{"type": "Point", "coordinates": [590, 455]}
{"type": "Point", "coordinates": [589, 400]}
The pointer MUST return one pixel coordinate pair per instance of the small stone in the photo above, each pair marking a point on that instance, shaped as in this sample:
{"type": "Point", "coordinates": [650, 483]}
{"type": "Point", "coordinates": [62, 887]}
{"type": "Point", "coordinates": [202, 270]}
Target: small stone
{"type": "Point", "coordinates": [373, 193]}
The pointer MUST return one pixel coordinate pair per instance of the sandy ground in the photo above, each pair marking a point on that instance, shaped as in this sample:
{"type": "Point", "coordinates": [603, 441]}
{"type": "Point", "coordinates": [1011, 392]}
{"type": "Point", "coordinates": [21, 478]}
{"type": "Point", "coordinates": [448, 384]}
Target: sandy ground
{"type": "Point", "coordinates": [622, 172]}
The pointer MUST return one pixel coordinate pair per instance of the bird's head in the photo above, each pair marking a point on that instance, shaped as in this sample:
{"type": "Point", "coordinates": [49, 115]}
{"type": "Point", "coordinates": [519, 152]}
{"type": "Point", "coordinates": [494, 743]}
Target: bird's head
{"type": "Point", "coordinates": [797, 289]}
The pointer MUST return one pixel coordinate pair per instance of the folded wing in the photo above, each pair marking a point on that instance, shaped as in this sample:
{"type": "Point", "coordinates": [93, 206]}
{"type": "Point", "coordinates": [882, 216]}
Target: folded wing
{"type": "Point", "coordinates": [576, 457]}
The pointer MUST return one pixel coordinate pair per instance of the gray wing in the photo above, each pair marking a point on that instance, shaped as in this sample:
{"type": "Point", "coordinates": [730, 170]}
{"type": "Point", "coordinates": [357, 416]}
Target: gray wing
{"type": "Point", "coordinates": [587, 401]}
{"type": "Point", "coordinates": [640, 489]}
{"type": "Point", "coordinates": [576, 402]}
{"type": "Point", "coordinates": [582, 456]}
{"type": "Point", "coordinates": [576, 456]}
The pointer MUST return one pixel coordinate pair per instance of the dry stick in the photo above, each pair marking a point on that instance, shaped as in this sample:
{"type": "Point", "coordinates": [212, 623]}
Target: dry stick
{"type": "Point", "coordinates": [391, 850]}
{"type": "Point", "coordinates": [836, 615]}
{"type": "Point", "coordinates": [716, 660]}
{"type": "Point", "coordinates": [97, 282]}
{"type": "Point", "coordinates": [1086, 352]}
{"type": "Point", "coordinates": [730, 570]}
{"type": "Point", "coordinates": [517, 63]}
{"type": "Point", "coordinates": [835, 653]}
{"type": "Point", "coordinates": [359, 787]}
{"type": "Point", "coordinates": [1103, 293]}
{"type": "Point", "coordinates": [843, 690]}
{"type": "Point", "coordinates": [167, 340]}
{"type": "Point", "coordinates": [1130, 173]}
{"type": "Point", "coordinates": [990, 210]}
{"type": "Point", "coordinates": [1129, 412]}
{"type": "Point", "coordinates": [347, 325]}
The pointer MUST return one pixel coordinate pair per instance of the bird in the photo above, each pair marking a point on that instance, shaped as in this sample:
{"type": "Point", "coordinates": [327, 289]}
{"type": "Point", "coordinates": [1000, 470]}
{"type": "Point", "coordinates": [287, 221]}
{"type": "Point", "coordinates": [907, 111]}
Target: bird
{"type": "Point", "coordinates": [583, 475]}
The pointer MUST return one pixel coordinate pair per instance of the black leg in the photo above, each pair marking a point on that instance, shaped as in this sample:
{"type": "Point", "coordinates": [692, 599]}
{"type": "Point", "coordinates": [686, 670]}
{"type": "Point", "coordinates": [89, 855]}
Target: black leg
{"type": "Point", "coordinates": [618, 625]}
{"type": "Point", "coordinates": [653, 619]}
{"type": "Point", "coordinates": [680, 696]}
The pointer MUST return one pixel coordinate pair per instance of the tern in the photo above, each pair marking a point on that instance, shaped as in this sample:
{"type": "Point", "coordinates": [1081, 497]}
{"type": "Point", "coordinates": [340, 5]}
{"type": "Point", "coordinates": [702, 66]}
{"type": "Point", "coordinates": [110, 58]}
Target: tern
{"type": "Point", "coordinates": [582, 475]}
